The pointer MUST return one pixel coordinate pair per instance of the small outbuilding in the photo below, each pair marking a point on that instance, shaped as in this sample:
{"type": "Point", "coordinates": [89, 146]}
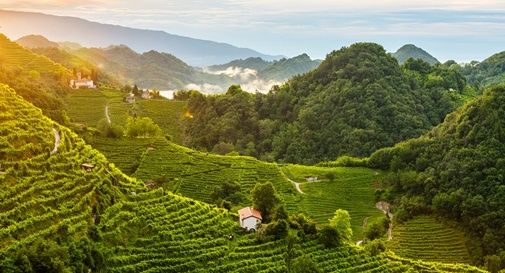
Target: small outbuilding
{"type": "Point", "coordinates": [311, 179]}
{"type": "Point", "coordinates": [87, 167]}
{"type": "Point", "coordinates": [249, 218]}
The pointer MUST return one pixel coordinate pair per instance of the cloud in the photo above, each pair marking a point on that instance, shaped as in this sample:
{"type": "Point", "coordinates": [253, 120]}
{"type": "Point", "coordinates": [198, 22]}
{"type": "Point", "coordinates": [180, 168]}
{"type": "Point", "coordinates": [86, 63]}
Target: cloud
{"type": "Point", "coordinates": [291, 27]}
{"type": "Point", "coordinates": [244, 74]}
{"type": "Point", "coordinates": [259, 85]}
{"type": "Point", "coordinates": [205, 88]}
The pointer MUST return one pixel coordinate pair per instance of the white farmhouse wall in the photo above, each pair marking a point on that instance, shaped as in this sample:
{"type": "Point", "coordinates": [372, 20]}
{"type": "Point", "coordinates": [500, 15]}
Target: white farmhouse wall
{"type": "Point", "coordinates": [249, 223]}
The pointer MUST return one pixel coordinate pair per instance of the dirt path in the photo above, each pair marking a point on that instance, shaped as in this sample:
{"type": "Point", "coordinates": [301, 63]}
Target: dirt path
{"type": "Point", "coordinates": [386, 208]}
{"type": "Point", "coordinates": [57, 140]}
{"type": "Point", "coordinates": [107, 116]}
{"type": "Point", "coordinates": [296, 184]}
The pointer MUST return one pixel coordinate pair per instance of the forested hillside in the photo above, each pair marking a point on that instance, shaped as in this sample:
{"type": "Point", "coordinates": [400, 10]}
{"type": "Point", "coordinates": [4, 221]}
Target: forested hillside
{"type": "Point", "coordinates": [357, 101]}
{"type": "Point", "coordinates": [457, 170]}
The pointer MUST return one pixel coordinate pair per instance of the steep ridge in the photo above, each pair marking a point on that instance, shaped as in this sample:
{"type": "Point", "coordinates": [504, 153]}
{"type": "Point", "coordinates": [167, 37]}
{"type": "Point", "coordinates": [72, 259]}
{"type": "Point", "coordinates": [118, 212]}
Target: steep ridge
{"type": "Point", "coordinates": [458, 171]}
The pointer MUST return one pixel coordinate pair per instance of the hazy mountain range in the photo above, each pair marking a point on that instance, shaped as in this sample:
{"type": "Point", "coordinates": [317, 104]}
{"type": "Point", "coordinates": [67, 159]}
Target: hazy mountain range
{"type": "Point", "coordinates": [91, 34]}
{"type": "Point", "coordinates": [154, 69]}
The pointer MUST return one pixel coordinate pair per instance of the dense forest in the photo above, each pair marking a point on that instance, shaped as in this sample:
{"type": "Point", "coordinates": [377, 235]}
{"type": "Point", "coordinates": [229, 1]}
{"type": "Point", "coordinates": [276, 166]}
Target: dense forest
{"type": "Point", "coordinates": [357, 101]}
{"type": "Point", "coordinates": [458, 170]}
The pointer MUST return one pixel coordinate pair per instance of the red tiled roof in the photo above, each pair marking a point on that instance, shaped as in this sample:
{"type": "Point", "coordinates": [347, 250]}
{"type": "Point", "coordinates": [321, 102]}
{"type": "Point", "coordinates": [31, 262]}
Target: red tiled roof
{"type": "Point", "coordinates": [249, 212]}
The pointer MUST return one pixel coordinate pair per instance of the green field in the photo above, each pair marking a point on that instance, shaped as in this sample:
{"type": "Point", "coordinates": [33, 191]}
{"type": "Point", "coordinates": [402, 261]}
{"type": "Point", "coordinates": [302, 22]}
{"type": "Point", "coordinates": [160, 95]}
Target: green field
{"type": "Point", "coordinates": [426, 238]}
{"type": "Point", "coordinates": [196, 174]}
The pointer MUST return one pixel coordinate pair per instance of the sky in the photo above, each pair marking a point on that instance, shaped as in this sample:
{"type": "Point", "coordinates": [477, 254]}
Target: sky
{"type": "Point", "coordinates": [460, 30]}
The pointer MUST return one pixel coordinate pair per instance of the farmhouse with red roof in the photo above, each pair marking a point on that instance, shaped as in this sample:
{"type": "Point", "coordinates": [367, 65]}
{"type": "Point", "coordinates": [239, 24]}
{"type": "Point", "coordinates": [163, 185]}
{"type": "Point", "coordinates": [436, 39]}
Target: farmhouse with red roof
{"type": "Point", "coordinates": [249, 218]}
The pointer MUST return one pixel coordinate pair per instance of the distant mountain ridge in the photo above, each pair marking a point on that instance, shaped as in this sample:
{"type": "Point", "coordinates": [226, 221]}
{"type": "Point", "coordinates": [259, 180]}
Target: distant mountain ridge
{"type": "Point", "coordinates": [91, 34]}
{"type": "Point", "coordinates": [411, 51]}
{"type": "Point", "coordinates": [280, 70]}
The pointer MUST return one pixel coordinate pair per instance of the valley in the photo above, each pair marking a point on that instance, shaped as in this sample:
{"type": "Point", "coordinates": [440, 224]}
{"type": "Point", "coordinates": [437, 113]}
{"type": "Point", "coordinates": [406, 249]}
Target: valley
{"type": "Point", "coordinates": [366, 160]}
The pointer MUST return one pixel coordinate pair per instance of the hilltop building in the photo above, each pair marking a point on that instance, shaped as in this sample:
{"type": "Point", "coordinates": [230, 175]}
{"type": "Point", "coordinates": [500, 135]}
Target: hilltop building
{"type": "Point", "coordinates": [249, 218]}
{"type": "Point", "coordinates": [82, 82]}
{"type": "Point", "coordinates": [146, 94]}
{"type": "Point", "coordinates": [130, 98]}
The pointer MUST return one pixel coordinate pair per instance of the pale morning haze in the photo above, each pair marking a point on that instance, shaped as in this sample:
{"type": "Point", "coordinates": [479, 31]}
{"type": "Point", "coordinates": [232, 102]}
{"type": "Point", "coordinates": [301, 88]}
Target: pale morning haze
{"type": "Point", "coordinates": [459, 30]}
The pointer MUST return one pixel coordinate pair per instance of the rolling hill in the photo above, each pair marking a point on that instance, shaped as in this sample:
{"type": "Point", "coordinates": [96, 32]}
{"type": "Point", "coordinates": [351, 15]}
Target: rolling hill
{"type": "Point", "coordinates": [91, 34]}
{"type": "Point", "coordinates": [59, 217]}
{"type": "Point", "coordinates": [411, 51]}
{"type": "Point", "coordinates": [358, 100]}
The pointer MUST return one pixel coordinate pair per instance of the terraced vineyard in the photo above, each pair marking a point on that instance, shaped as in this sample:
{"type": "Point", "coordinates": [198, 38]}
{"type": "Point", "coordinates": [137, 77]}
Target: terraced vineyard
{"type": "Point", "coordinates": [155, 232]}
{"type": "Point", "coordinates": [14, 55]}
{"type": "Point", "coordinates": [196, 174]}
{"type": "Point", "coordinates": [125, 153]}
{"type": "Point", "coordinates": [44, 191]}
{"type": "Point", "coordinates": [88, 106]}
{"type": "Point", "coordinates": [46, 195]}
{"type": "Point", "coordinates": [427, 239]}
{"type": "Point", "coordinates": [351, 189]}
{"type": "Point", "coordinates": [167, 114]}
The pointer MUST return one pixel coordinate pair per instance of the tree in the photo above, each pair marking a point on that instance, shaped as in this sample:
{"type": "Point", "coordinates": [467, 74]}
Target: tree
{"type": "Point", "coordinates": [328, 236]}
{"type": "Point", "coordinates": [136, 91]}
{"type": "Point", "coordinates": [265, 199]}
{"type": "Point", "coordinates": [142, 127]}
{"type": "Point", "coordinates": [341, 221]}
{"type": "Point", "coordinates": [109, 130]}
{"type": "Point", "coordinates": [281, 213]}
{"type": "Point", "coordinates": [278, 229]}
{"type": "Point", "coordinates": [377, 229]}
{"type": "Point", "coordinates": [223, 148]}
{"type": "Point", "coordinates": [304, 264]}
{"type": "Point", "coordinates": [492, 263]}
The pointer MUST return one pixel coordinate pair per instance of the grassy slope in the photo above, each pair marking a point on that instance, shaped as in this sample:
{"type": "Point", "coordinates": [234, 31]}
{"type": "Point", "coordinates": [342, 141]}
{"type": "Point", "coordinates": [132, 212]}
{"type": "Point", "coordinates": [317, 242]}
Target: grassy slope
{"type": "Point", "coordinates": [428, 239]}
{"type": "Point", "coordinates": [140, 230]}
